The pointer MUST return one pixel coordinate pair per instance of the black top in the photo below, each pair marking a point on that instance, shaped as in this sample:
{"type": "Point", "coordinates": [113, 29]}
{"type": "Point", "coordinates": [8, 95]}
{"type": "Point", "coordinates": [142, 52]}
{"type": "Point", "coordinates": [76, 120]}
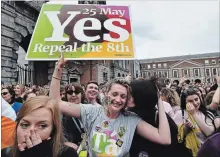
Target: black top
{"type": "Point", "coordinates": [213, 87]}
{"type": "Point", "coordinates": [71, 131]}
{"type": "Point", "coordinates": [143, 147]}
{"type": "Point", "coordinates": [41, 150]}
{"type": "Point", "coordinates": [19, 99]}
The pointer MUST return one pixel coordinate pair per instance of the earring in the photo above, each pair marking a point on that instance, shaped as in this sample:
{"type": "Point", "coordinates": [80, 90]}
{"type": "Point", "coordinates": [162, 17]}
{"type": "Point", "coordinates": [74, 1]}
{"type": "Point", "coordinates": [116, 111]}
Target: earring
{"type": "Point", "coordinates": [108, 101]}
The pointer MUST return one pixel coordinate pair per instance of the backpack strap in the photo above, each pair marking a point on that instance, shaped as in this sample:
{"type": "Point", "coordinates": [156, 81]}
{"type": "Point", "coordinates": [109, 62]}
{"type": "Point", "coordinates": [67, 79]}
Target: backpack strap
{"type": "Point", "coordinates": [77, 125]}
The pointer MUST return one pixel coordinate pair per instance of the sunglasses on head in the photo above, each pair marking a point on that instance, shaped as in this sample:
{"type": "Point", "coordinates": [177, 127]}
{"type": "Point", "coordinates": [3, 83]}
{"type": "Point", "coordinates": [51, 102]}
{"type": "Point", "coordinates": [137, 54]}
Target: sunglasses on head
{"type": "Point", "coordinates": [4, 93]}
{"type": "Point", "coordinates": [70, 92]}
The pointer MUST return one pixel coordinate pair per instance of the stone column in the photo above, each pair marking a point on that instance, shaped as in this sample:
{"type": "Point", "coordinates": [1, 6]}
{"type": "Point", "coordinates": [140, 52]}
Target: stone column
{"type": "Point", "coordinates": [8, 49]}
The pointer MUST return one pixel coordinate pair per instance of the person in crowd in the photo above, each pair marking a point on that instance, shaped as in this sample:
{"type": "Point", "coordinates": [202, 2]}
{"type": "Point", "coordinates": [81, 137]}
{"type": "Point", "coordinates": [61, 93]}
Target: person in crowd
{"type": "Point", "coordinates": [2, 84]}
{"type": "Point", "coordinates": [171, 96]}
{"type": "Point", "coordinates": [42, 91]}
{"type": "Point", "coordinates": [208, 98]}
{"type": "Point", "coordinates": [174, 87]}
{"type": "Point", "coordinates": [19, 90]}
{"type": "Point", "coordinates": [35, 88]}
{"type": "Point", "coordinates": [211, 147]}
{"type": "Point", "coordinates": [83, 87]}
{"type": "Point", "coordinates": [91, 93]}
{"type": "Point", "coordinates": [203, 93]}
{"type": "Point", "coordinates": [198, 83]}
{"type": "Point", "coordinates": [207, 89]}
{"type": "Point", "coordinates": [8, 95]}
{"type": "Point", "coordinates": [72, 126]}
{"type": "Point", "coordinates": [215, 85]}
{"type": "Point", "coordinates": [199, 92]}
{"type": "Point", "coordinates": [26, 89]}
{"type": "Point", "coordinates": [145, 98]}
{"type": "Point", "coordinates": [182, 85]}
{"type": "Point", "coordinates": [62, 92]}
{"type": "Point", "coordinates": [213, 106]}
{"type": "Point", "coordinates": [176, 82]}
{"type": "Point", "coordinates": [162, 83]}
{"type": "Point", "coordinates": [195, 121]}
{"type": "Point", "coordinates": [102, 93]}
{"type": "Point", "coordinates": [110, 128]}
{"type": "Point", "coordinates": [28, 95]}
{"type": "Point", "coordinates": [8, 124]}
{"type": "Point", "coordinates": [38, 131]}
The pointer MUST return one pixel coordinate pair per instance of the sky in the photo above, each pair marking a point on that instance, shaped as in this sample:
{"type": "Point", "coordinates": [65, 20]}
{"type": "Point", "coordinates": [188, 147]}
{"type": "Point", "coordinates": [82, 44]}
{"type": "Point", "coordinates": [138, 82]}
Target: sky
{"type": "Point", "coordinates": [173, 28]}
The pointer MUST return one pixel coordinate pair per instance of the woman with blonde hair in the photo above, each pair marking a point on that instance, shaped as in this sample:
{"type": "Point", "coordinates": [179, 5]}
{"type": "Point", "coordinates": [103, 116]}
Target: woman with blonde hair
{"type": "Point", "coordinates": [19, 90]}
{"type": "Point", "coordinates": [172, 97]}
{"type": "Point", "coordinates": [110, 129]}
{"type": "Point", "coordinates": [38, 132]}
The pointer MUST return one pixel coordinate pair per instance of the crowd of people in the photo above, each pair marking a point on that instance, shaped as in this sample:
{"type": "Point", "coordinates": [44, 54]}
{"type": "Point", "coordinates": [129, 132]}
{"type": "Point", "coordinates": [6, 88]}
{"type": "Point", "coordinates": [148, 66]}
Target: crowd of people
{"type": "Point", "coordinates": [122, 118]}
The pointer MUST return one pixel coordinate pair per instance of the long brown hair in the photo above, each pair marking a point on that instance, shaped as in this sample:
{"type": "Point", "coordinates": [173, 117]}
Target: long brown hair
{"type": "Point", "coordinates": [56, 135]}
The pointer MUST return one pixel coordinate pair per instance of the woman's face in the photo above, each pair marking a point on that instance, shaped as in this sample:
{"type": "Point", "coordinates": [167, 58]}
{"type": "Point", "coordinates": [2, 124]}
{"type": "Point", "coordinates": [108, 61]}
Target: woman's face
{"type": "Point", "coordinates": [194, 99]}
{"type": "Point", "coordinates": [39, 120]}
{"type": "Point", "coordinates": [17, 90]}
{"type": "Point", "coordinates": [74, 96]}
{"type": "Point", "coordinates": [117, 97]}
{"type": "Point", "coordinates": [6, 95]}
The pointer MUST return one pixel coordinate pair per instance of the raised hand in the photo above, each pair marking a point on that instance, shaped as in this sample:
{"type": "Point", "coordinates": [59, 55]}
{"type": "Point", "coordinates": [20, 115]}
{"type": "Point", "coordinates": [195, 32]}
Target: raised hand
{"type": "Point", "coordinates": [188, 126]}
{"type": "Point", "coordinates": [30, 140]}
{"type": "Point", "coordinates": [61, 62]}
{"type": "Point", "coordinates": [182, 80]}
{"type": "Point", "coordinates": [190, 108]}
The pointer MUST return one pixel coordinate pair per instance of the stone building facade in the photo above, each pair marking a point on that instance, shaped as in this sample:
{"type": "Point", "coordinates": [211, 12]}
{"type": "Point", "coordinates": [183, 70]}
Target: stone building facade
{"type": "Point", "coordinates": [201, 66]}
{"type": "Point", "coordinates": [17, 25]}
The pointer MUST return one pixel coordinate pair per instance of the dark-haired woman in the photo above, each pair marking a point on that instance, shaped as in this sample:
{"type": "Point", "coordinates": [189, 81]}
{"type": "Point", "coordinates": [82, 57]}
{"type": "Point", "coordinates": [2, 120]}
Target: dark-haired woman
{"type": "Point", "coordinates": [8, 95]}
{"type": "Point", "coordinates": [73, 128]}
{"type": "Point", "coordinates": [145, 98]}
{"type": "Point", "coordinates": [196, 122]}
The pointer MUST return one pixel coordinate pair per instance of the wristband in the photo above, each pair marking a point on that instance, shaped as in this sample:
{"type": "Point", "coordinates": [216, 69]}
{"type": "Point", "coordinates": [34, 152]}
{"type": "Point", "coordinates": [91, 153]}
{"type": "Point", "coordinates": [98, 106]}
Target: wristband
{"type": "Point", "coordinates": [56, 78]}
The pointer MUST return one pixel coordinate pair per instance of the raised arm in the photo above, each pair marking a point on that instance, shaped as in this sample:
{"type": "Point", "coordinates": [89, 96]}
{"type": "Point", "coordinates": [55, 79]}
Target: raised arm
{"type": "Point", "coordinates": [159, 135]}
{"type": "Point", "coordinates": [216, 97]}
{"type": "Point", "coordinates": [65, 107]}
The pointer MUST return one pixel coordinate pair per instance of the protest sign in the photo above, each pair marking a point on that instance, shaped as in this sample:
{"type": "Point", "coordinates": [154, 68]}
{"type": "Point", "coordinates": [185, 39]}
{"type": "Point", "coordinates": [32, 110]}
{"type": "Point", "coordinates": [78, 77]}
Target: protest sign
{"type": "Point", "coordinates": [82, 32]}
